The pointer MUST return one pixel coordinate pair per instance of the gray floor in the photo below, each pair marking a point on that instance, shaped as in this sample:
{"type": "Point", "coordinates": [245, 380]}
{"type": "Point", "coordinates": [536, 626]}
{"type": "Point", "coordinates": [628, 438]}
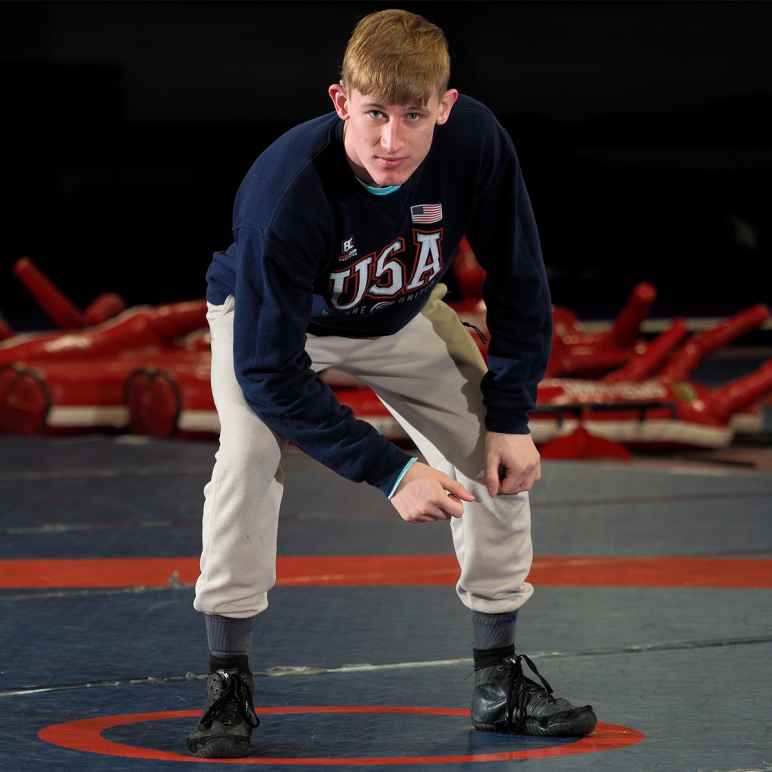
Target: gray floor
{"type": "Point", "coordinates": [688, 667]}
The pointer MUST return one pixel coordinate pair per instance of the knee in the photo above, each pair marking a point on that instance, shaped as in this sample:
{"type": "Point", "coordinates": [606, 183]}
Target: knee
{"type": "Point", "coordinates": [251, 451]}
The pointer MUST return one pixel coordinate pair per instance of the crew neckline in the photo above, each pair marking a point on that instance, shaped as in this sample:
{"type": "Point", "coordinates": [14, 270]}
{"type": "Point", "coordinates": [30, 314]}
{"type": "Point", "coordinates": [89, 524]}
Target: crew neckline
{"type": "Point", "coordinates": [376, 190]}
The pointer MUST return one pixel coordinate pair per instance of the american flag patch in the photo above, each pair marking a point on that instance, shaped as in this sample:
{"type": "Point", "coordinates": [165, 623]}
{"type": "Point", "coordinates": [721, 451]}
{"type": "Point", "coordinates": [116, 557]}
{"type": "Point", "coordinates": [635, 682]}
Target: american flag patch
{"type": "Point", "coordinates": [426, 213]}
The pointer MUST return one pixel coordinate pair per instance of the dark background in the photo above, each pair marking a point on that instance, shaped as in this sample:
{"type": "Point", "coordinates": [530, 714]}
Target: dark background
{"type": "Point", "coordinates": [644, 131]}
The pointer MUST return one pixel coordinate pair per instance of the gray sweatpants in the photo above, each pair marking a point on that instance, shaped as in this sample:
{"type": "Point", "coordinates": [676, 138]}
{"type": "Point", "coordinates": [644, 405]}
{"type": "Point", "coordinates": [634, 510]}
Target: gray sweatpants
{"type": "Point", "coordinates": [428, 376]}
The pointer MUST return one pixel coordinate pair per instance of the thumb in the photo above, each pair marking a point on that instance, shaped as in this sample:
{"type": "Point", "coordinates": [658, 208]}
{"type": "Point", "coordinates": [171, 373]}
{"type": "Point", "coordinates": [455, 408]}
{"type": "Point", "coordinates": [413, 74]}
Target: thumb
{"type": "Point", "coordinates": [492, 476]}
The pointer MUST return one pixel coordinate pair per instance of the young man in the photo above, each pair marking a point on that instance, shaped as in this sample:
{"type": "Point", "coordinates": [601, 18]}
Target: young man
{"type": "Point", "coordinates": [343, 229]}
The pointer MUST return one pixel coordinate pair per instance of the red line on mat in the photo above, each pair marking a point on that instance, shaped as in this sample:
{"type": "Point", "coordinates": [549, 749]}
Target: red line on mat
{"type": "Point", "coordinates": [392, 570]}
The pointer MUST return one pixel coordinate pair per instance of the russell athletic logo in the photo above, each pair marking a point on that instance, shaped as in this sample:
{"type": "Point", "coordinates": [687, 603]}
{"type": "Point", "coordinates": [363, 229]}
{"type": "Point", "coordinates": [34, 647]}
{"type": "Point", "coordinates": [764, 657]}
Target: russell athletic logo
{"type": "Point", "coordinates": [426, 213]}
{"type": "Point", "coordinates": [348, 249]}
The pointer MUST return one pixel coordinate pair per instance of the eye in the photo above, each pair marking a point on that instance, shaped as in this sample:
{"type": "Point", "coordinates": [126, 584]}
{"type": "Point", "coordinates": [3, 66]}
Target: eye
{"type": "Point", "coordinates": [415, 116]}
{"type": "Point", "coordinates": [374, 113]}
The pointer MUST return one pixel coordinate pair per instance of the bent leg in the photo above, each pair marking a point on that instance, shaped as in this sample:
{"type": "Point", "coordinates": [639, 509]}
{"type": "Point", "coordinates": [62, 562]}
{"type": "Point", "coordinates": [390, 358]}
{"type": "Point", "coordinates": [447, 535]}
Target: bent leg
{"type": "Point", "coordinates": [428, 375]}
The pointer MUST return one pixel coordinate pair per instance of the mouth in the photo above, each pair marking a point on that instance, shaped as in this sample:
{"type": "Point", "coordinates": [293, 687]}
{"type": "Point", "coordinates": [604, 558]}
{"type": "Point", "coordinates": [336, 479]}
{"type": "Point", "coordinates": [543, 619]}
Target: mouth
{"type": "Point", "coordinates": [390, 163]}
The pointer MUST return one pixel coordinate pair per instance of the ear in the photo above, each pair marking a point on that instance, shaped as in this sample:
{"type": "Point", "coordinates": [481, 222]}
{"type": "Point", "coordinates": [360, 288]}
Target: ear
{"type": "Point", "coordinates": [339, 100]}
{"type": "Point", "coordinates": [447, 100]}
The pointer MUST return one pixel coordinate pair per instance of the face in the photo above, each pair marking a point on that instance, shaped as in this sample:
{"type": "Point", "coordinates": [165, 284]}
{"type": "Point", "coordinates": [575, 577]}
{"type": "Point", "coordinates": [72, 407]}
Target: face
{"type": "Point", "coordinates": [385, 144]}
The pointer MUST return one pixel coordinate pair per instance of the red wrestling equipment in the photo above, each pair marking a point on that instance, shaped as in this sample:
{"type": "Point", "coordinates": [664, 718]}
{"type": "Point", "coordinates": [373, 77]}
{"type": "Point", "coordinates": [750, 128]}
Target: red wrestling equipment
{"type": "Point", "coordinates": [64, 382]}
{"type": "Point", "coordinates": [5, 330]}
{"type": "Point", "coordinates": [200, 340]}
{"type": "Point", "coordinates": [626, 327]}
{"type": "Point", "coordinates": [648, 414]}
{"type": "Point", "coordinates": [651, 357]}
{"type": "Point", "coordinates": [176, 401]}
{"type": "Point", "coordinates": [581, 444]}
{"type": "Point", "coordinates": [587, 354]}
{"type": "Point", "coordinates": [574, 353]}
{"type": "Point", "coordinates": [469, 274]}
{"type": "Point", "coordinates": [681, 362]}
{"type": "Point", "coordinates": [687, 358]}
{"type": "Point", "coordinates": [104, 307]}
{"type": "Point", "coordinates": [578, 353]}
{"type": "Point", "coordinates": [148, 369]}
{"type": "Point", "coordinates": [58, 307]}
{"type": "Point", "coordinates": [63, 397]}
{"type": "Point", "coordinates": [735, 396]}
{"type": "Point", "coordinates": [78, 395]}
{"type": "Point", "coordinates": [159, 385]}
{"type": "Point", "coordinates": [139, 327]}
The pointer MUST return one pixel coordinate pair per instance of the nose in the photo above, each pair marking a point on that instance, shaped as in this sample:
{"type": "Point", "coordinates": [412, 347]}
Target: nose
{"type": "Point", "coordinates": [391, 137]}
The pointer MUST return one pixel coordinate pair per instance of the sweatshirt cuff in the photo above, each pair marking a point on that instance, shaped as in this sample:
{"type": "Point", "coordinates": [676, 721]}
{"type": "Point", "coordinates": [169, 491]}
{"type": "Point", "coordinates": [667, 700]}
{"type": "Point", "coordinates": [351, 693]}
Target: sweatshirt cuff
{"type": "Point", "coordinates": [401, 476]}
{"type": "Point", "coordinates": [507, 424]}
{"type": "Point", "coordinates": [388, 464]}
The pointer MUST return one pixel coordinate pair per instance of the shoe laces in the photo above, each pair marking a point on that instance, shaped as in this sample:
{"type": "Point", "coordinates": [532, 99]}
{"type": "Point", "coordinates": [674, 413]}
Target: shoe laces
{"type": "Point", "coordinates": [233, 704]}
{"type": "Point", "coordinates": [522, 689]}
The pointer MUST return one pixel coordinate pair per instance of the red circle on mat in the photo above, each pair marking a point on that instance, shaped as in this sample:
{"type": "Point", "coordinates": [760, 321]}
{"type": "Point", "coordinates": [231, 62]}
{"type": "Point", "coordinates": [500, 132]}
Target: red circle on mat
{"type": "Point", "coordinates": [86, 735]}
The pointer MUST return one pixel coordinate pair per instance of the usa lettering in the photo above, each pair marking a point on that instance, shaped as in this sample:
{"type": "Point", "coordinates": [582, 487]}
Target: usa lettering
{"type": "Point", "coordinates": [384, 275]}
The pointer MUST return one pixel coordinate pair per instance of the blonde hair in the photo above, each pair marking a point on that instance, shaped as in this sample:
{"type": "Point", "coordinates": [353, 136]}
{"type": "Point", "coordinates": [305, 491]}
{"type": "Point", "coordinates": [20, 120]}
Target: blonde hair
{"type": "Point", "coordinates": [398, 57]}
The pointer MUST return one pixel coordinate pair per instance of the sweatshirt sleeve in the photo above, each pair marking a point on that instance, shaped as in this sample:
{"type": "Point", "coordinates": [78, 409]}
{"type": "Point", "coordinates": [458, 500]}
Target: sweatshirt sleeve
{"type": "Point", "coordinates": [505, 239]}
{"type": "Point", "coordinates": [274, 290]}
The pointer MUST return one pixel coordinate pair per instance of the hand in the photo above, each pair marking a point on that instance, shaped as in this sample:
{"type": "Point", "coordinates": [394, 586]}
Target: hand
{"type": "Point", "coordinates": [517, 456]}
{"type": "Point", "coordinates": [426, 495]}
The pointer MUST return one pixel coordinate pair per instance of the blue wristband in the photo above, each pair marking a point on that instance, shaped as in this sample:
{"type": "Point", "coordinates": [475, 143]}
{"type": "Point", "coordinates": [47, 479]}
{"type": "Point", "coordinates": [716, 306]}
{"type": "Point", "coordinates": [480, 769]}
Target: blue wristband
{"type": "Point", "coordinates": [401, 475]}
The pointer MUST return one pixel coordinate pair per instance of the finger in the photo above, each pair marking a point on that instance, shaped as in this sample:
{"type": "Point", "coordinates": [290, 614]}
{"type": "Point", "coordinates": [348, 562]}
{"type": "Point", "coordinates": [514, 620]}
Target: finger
{"type": "Point", "coordinates": [516, 478]}
{"type": "Point", "coordinates": [438, 512]}
{"type": "Point", "coordinates": [426, 515]}
{"type": "Point", "coordinates": [448, 507]}
{"type": "Point", "coordinates": [532, 480]}
{"type": "Point", "coordinates": [452, 506]}
{"type": "Point", "coordinates": [454, 487]}
{"type": "Point", "coordinates": [526, 484]}
{"type": "Point", "coordinates": [510, 487]}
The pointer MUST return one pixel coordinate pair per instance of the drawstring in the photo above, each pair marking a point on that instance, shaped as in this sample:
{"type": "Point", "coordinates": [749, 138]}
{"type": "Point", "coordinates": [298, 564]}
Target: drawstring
{"type": "Point", "coordinates": [483, 336]}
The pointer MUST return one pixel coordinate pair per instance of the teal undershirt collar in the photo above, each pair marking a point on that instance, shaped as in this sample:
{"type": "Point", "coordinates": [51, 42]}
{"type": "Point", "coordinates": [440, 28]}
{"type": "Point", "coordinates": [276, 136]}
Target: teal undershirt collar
{"type": "Point", "coordinates": [376, 191]}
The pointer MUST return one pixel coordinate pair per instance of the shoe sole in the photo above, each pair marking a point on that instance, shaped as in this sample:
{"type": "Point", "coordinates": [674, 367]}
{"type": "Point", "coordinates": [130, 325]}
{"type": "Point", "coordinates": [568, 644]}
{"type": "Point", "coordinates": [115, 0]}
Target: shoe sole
{"type": "Point", "coordinates": [577, 725]}
{"type": "Point", "coordinates": [220, 748]}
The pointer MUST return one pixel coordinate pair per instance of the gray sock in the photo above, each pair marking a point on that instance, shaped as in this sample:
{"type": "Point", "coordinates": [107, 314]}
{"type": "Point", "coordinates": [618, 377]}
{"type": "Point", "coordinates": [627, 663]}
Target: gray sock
{"type": "Point", "coordinates": [227, 636]}
{"type": "Point", "coordinates": [492, 631]}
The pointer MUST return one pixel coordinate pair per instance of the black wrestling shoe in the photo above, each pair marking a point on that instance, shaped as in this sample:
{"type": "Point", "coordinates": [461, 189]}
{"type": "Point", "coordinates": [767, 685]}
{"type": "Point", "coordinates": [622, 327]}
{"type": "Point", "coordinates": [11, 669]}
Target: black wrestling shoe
{"type": "Point", "coordinates": [504, 700]}
{"type": "Point", "coordinates": [226, 726]}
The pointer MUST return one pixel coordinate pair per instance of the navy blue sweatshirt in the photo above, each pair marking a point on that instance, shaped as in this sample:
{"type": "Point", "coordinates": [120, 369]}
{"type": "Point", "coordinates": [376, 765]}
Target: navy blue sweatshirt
{"type": "Point", "coordinates": [315, 252]}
